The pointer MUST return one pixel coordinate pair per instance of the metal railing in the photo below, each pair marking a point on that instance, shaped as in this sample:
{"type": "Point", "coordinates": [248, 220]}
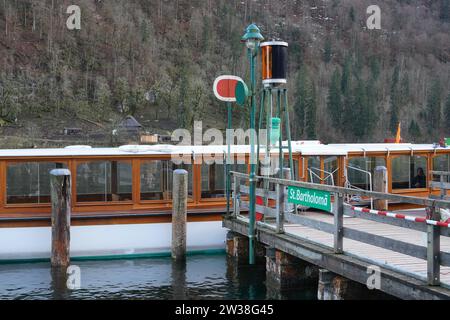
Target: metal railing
{"type": "Point", "coordinates": [328, 175]}
{"type": "Point", "coordinates": [350, 186]}
{"type": "Point", "coordinates": [431, 253]}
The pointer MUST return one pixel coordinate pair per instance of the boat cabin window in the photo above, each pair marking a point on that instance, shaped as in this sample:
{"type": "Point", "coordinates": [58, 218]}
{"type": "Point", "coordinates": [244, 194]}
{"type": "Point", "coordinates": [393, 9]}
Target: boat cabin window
{"type": "Point", "coordinates": [104, 181]}
{"type": "Point", "coordinates": [157, 179]}
{"type": "Point", "coordinates": [360, 171]}
{"type": "Point", "coordinates": [409, 172]}
{"type": "Point", "coordinates": [441, 163]}
{"type": "Point", "coordinates": [213, 179]}
{"type": "Point", "coordinates": [29, 182]}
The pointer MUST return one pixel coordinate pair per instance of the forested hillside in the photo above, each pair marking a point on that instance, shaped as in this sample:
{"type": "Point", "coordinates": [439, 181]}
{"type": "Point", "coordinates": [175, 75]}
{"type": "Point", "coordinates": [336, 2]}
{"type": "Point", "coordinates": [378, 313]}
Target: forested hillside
{"type": "Point", "coordinates": [157, 60]}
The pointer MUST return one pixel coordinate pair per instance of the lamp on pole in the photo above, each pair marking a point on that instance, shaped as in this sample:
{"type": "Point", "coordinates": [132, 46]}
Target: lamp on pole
{"type": "Point", "coordinates": [252, 38]}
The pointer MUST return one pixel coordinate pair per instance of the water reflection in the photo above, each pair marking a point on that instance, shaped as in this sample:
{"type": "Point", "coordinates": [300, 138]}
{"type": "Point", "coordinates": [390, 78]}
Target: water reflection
{"type": "Point", "coordinates": [200, 277]}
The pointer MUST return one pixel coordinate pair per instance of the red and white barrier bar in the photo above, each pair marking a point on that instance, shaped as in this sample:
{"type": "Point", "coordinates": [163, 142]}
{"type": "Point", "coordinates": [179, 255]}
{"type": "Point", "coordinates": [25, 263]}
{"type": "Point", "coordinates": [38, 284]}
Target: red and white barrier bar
{"type": "Point", "coordinates": [401, 216]}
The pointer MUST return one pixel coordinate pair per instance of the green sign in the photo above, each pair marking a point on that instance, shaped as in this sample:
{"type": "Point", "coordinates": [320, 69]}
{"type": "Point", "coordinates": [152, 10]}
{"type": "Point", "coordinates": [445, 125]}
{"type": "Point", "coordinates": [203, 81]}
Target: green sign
{"type": "Point", "coordinates": [310, 198]}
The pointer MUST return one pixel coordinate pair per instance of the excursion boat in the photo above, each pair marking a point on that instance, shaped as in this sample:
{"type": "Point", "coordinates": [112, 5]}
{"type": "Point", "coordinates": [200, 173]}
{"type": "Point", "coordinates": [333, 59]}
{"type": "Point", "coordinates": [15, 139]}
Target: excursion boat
{"type": "Point", "coordinates": [121, 197]}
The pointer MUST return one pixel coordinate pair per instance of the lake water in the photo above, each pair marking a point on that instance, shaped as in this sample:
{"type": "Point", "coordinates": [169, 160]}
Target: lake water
{"type": "Point", "coordinates": [201, 277]}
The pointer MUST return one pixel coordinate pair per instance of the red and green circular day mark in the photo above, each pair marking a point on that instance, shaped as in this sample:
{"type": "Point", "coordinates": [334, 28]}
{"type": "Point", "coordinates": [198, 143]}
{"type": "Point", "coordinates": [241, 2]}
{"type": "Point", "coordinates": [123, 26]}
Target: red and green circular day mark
{"type": "Point", "coordinates": [225, 86]}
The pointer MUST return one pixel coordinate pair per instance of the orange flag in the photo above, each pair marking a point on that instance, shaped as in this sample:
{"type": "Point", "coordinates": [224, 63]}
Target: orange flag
{"type": "Point", "coordinates": [398, 137]}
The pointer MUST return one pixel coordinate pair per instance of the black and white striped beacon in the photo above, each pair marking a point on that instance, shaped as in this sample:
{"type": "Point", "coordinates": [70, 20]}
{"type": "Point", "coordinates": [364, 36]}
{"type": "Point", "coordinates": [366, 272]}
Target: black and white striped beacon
{"type": "Point", "coordinates": [274, 63]}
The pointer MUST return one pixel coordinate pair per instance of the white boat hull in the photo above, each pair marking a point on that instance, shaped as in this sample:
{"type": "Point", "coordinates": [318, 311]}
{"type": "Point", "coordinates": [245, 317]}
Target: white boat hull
{"type": "Point", "coordinates": [110, 240]}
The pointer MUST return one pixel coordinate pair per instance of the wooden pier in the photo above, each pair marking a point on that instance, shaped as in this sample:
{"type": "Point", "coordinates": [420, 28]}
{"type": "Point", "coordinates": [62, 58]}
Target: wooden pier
{"type": "Point", "coordinates": [412, 257]}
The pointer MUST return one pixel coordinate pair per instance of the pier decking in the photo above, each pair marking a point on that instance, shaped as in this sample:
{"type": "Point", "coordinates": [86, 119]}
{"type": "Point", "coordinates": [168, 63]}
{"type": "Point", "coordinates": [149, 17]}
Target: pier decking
{"type": "Point", "coordinates": [406, 253]}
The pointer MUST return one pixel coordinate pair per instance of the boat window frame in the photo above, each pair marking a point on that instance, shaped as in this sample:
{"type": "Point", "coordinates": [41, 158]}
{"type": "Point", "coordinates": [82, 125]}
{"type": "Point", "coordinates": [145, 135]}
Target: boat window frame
{"type": "Point", "coordinates": [433, 156]}
{"type": "Point", "coordinates": [369, 155]}
{"type": "Point", "coordinates": [236, 156]}
{"type": "Point", "coordinates": [73, 170]}
{"type": "Point", "coordinates": [137, 176]}
{"type": "Point", "coordinates": [410, 190]}
{"type": "Point", "coordinates": [4, 176]}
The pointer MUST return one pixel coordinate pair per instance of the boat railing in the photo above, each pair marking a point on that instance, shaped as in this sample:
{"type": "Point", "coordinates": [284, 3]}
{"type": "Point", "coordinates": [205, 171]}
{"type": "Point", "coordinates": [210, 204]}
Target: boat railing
{"type": "Point", "coordinates": [327, 175]}
{"type": "Point", "coordinates": [276, 215]}
{"type": "Point", "coordinates": [348, 184]}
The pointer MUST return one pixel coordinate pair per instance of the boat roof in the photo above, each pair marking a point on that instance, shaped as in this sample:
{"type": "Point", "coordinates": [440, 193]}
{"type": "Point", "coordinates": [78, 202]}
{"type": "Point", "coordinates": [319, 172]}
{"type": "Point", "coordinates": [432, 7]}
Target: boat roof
{"type": "Point", "coordinates": [307, 148]}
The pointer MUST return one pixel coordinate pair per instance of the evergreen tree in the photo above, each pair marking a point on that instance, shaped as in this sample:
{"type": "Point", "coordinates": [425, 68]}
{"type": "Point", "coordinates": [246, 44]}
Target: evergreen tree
{"type": "Point", "coordinates": [404, 89]}
{"type": "Point", "coordinates": [311, 111]}
{"type": "Point", "coordinates": [434, 105]}
{"type": "Point", "coordinates": [347, 96]}
{"type": "Point", "coordinates": [414, 129]}
{"type": "Point", "coordinates": [371, 115]}
{"type": "Point", "coordinates": [352, 14]}
{"type": "Point", "coordinates": [445, 11]}
{"type": "Point", "coordinates": [359, 113]}
{"type": "Point", "coordinates": [334, 99]}
{"type": "Point", "coordinates": [374, 65]}
{"type": "Point", "coordinates": [346, 76]}
{"type": "Point", "coordinates": [327, 51]}
{"type": "Point", "coordinates": [300, 102]}
{"type": "Point", "coordinates": [447, 113]}
{"type": "Point", "coordinates": [394, 101]}
{"type": "Point", "coordinates": [305, 106]}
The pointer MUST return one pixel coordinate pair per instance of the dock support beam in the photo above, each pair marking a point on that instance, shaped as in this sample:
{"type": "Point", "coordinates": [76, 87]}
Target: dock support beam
{"type": "Point", "coordinates": [179, 214]}
{"type": "Point", "coordinates": [60, 186]}
{"type": "Point", "coordinates": [380, 184]}
{"type": "Point", "coordinates": [335, 287]}
{"type": "Point", "coordinates": [285, 272]}
{"type": "Point", "coordinates": [237, 249]}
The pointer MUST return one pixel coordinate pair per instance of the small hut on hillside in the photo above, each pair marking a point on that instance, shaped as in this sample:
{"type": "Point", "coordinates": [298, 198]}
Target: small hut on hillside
{"type": "Point", "coordinates": [130, 125]}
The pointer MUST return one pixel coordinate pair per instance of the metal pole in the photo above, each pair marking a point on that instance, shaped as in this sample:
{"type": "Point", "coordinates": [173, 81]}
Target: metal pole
{"type": "Point", "coordinates": [280, 139]}
{"type": "Point", "coordinates": [260, 121]}
{"type": "Point", "coordinates": [252, 181]}
{"type": "Point", "coordinates": [288, 132]}
{"type": "Point", "coordinates": [228, 161]}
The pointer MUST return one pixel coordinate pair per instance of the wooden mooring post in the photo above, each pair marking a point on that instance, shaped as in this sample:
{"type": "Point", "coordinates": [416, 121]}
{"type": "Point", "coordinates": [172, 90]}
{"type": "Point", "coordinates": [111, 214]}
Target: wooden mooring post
{"type": "Point", "coordinates": [60, 186]}
{"type": "Point", "coordinates": [380, 184]}
{"type": "Point", "coordinates": [179, 214]}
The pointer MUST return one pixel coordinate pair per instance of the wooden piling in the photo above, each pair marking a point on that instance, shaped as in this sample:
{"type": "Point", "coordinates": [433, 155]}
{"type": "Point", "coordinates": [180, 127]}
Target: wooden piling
{"type": "Point", "coordinates": [60, 185]}
{"type": "Point", "coordinates": [380, 184]}
{"type": "Point", "coordinates": [179, 214]}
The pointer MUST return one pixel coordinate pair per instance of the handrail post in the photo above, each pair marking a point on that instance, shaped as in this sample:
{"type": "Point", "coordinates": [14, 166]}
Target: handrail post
{"type": "Point", "coordinates": [287, 175]}
{"type": "Point", "coordinates": [280, 208]}
{"type": "Point", "coordinates": [236, 196]}
{"type": "Point", "coordinates": [443, 191]}
{"type": "Point", "coordinates": [433, 252]}
{"type": "Point", "coordinates": [338, 223]}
